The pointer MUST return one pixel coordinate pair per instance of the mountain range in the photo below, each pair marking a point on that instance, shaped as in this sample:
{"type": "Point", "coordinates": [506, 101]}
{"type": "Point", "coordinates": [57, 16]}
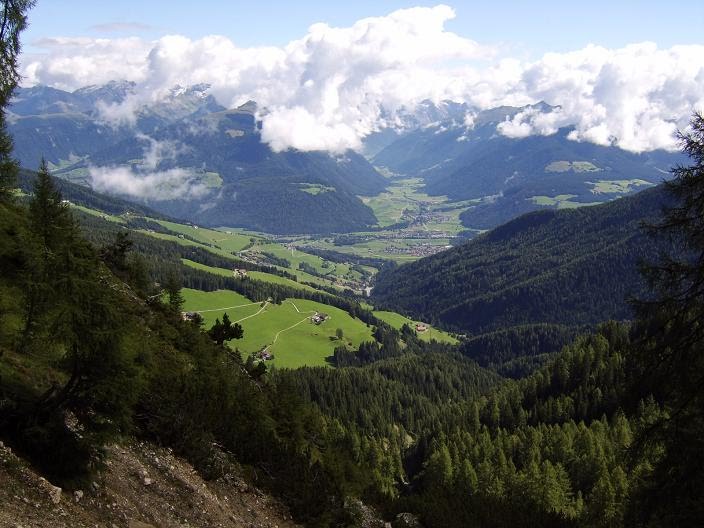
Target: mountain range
{"type": "Point", "coordinates": [462, 155]}
{"type": "Point", "coordinates": [189, 157]}
{"type": "Point", "coordinates": [204, 163]}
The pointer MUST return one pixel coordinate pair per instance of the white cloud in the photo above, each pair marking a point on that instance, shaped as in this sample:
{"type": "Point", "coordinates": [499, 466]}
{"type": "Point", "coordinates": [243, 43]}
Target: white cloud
{"type": "Point", "coordinates": [157, 151]}
{"type": "Point", "coordinates": [326, 90]}
{"type": "Point", "coordinates": [145, 180]}
{"type": "Point", "coordinates": [177, 183]}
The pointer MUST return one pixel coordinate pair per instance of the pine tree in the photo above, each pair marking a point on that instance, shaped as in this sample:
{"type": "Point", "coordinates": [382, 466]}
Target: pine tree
{"type": "Point", "coordinates": [669, 358]}
{"type": "Point", "coordinates": [12, 21]}
{"type": "Point", "coordinates": [225, 330]}
{"type": "Point", "coordinates": [50, 219]}
{"type": "Point", "coordinates": [52, 230]}
{"type": "Point", "coordinates": [173, 290]}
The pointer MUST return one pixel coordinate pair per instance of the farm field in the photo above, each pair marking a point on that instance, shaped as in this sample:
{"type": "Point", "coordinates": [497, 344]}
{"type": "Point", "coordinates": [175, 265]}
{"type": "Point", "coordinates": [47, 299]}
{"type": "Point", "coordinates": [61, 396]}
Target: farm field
{"type": "Point", "coordinates": [617, 186]}
{"type": "Point", "coordinates": [227, 241]}
{"type": "Point", "coordinates": [397, 249]}
{"type": "Point", "coordinates": [287, 329]}
{"type": "Point", "coordinates": [95, 212]}
{"type": "Point", "coordinates": [397, 321]}
{"type": "Point", "coordinates": [186, 242]}
{"type": "Point", "coordinates": [400, 195]}
{"type": "Point", "coordinates": [562, 201]}
{"type": "Point", "coordinates": [258, 275]}
{"type": "Point", "coordinates": [331, 270]}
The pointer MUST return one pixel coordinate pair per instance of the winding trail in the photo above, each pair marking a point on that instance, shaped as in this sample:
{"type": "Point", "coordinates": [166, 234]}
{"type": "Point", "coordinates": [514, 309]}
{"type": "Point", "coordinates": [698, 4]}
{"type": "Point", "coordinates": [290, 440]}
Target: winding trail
{"type": "Point", "coordinates": [276, 337]}
{"type": "Point", "coordinates": [227, 308]}
{"type": "Point", "coordinates": [266, 303]}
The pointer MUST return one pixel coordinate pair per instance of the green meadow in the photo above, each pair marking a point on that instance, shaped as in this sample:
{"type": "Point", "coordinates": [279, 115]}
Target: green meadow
{"type": "Point", "coordinates": [617, 186]}
{"type": "Point", "coordinates": [397, 321]}
{"type": "Point", "coordinates": [95, 212]}
{"type": "Point", "coordinates": [399, 196]}
{"type": "Point", "coordinates": [258, 275]}
{"type": "Point", "coordinates": [286, 329]}
{"type": "Point", "coordinates": [227, 241]}
{"type": "Point", "coordinates": [562, 201]}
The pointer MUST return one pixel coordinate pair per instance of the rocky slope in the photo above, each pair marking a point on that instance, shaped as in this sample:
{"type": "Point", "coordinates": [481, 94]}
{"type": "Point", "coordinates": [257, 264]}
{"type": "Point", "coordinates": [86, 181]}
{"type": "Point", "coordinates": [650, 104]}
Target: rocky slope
{"type": "Point", "coordinates": [142, 487]}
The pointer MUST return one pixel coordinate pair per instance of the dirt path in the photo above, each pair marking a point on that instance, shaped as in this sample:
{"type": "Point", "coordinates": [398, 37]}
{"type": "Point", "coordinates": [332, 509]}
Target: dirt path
{"type": "Point", "coordinates": [227, 307]}
{"type": "Point", "coordinates": [276, 337]}
{"type": "Point", "coordinates": [266, 303]}
{"type": "Point", "coordinates": [296, 307]}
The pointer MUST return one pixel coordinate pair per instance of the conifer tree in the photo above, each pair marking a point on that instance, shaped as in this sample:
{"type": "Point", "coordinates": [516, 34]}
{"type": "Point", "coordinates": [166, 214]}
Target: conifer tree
{"type": "Point", "coordinates": [670, 354]}
{"type": "Point", "coordinates": [173, 290]}
{"type": "Point", "coordinates": [225, 330]}
{"type": "Point", "coordinates": [51, 231]}
{"type": "Point", "coordinates": [13, 20]}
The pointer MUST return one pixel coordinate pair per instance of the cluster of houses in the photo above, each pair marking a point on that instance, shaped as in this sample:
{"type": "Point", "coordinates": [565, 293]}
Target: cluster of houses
{"type": "Point", "coordinates": [239, 273]}
{"type": "Point", "coordinates": [319, 317]}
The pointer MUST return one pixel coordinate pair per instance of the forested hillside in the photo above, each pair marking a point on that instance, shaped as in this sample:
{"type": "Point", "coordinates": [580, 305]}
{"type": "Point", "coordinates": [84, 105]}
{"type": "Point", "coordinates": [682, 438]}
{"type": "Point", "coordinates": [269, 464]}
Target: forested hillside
{"type": "Point", "coordinates": [569, 267]}
{"type": "Point", "coordinates": [89, 353]}
{"type": "Point", "coordinates": [546, 414]}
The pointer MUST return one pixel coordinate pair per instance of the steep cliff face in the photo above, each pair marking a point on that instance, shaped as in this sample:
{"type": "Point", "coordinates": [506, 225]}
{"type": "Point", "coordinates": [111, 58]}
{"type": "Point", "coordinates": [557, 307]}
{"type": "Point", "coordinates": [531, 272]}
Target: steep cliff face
{"type": "Point", "coordinates": [142, 487]}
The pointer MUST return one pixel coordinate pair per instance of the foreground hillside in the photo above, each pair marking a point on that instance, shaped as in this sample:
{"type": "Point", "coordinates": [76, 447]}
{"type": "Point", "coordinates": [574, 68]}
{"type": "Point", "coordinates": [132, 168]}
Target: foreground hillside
{"type": "Point", "coordinates": [563, 267]}
{"type": "Point", "coordinates": [143, 486]}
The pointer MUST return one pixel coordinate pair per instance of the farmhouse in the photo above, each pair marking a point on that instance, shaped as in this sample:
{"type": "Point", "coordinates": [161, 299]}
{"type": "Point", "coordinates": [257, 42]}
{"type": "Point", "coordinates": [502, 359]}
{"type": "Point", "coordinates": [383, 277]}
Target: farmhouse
{"type": "Point", "coordinates": [239, 273]}
{"type": "Point", "coordinates": [265, 356]}
{"type": "Point", "coordinates": [319, 317]}
{"type": "Point", "coordinates": [420, 327]}
{"type": "Point", "coordinates": [189, 316]}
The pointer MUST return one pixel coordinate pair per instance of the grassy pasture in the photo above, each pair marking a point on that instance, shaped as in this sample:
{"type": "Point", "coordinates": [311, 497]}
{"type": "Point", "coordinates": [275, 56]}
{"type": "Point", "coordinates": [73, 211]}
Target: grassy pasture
{"type": "Point", "coordinates": [617, 186]}
{"type": "Point", "coordinates": [286, 328]}
{"type": "Point", "coordinates": [562, 201]}
{"type": "Point", "coordinates": [397, 321]}
{"type": "Point", "coordinates": [315, 188]}
{"type": "Point", "coordinates": [228, 242]}
{"type": "Point", "coordinates": [258, 275]}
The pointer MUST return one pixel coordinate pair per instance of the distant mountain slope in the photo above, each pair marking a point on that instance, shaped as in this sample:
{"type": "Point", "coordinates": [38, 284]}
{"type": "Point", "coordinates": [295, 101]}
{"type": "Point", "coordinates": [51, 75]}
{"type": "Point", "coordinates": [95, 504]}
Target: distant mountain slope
{"type": "Point", "coordinates": [233, 178]}
{"type": "Point", "coordinates": [564, 267]}
{"type": "Point", "coordinates": [471, 159]}
{"type": "Point", "coordinates": [87, 197]}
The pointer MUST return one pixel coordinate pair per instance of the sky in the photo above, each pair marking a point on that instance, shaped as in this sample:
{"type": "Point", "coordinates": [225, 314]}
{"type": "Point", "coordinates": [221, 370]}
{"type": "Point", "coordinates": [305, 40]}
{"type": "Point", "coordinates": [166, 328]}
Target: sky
{"type": "Point", "coordinates": [527, 28]}
{"type": "Point", "coordinates": [624, 73]}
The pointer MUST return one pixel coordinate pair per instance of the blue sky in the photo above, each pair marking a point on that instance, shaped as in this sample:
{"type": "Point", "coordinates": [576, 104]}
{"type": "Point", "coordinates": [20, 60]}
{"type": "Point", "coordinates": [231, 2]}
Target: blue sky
{"type": "Point", "coordinates": [525, 29]}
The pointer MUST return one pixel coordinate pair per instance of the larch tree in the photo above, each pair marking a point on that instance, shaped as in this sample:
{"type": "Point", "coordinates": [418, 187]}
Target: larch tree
{"type": "Point", "coordinates": [13, 20]}
{"type": "Point", "coordinates": [669, 356]}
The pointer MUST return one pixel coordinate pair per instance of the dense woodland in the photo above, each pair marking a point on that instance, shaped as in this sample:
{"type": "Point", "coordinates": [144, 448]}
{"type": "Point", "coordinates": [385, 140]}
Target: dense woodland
{"type": "Point", "coordinates": [605, 431]}
{"type": "Point", "coordinates": [569, 267]}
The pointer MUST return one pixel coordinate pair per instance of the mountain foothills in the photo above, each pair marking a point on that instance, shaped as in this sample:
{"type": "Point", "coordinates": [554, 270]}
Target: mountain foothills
{"type": "Point", "coordinates": [588, 436]}
{"type": "Point", "coordinates": [186, 156]}
{"type": "Point", "coordinates": [568, 267]}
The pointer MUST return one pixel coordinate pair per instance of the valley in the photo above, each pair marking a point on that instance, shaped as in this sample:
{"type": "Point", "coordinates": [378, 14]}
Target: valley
{"type": "Point", "coordinates": [282, 334]}
{"type": "Point", "coordinates": [379, 274]}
